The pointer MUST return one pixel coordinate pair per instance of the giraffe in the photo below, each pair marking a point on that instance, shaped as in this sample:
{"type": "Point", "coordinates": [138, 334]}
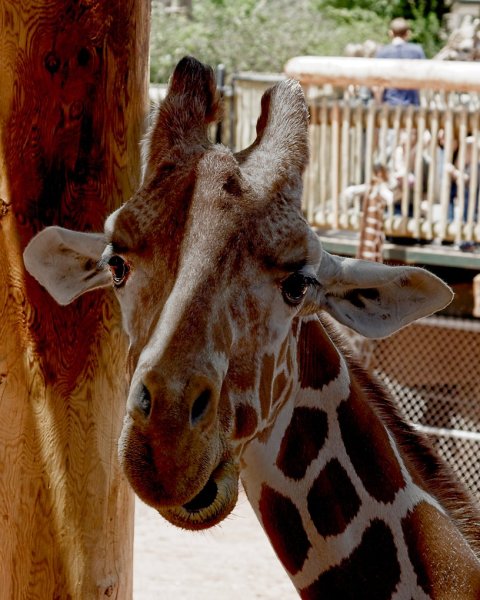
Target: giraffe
{"type": "Point", "coordinates": [220, 281]}
{"type": "Point", "coordinates": [372, 235]}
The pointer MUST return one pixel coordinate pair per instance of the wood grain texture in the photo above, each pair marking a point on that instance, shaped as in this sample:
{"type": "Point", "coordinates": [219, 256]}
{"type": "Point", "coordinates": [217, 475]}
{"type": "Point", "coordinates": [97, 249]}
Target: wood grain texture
{"type": "Point", "coordinates": [73, 80]}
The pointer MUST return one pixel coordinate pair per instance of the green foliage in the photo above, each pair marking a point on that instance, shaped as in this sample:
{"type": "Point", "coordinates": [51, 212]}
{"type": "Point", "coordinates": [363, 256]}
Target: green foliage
{"type": "Point", "coordinates": [244, 35]}
{"type": "Point", "coordinates": [426, 26]}
{"type": "Point", "coordinates": [414, 9]}
{"type": "Point", "coordinates": [379, 7]}
{"type": "Point", "coordinates": [389, 9]}
{"type": "Point", "coordinates": [261, 35]}
{"type": "Point", "coordinates": [426, 16]}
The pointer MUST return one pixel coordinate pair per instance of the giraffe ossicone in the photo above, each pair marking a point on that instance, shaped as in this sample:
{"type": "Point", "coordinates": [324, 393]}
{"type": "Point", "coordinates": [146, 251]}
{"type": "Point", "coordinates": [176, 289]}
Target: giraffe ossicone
{"type": "Point", "coordinates": [221, 280]}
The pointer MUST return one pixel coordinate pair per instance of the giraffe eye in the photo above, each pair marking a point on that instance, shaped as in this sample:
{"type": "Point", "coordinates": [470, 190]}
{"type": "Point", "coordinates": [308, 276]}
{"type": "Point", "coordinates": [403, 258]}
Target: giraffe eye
{"type": "Point", "coordinates": [294, 288]}
{"type": "Point", "coordinates": [119, 269]}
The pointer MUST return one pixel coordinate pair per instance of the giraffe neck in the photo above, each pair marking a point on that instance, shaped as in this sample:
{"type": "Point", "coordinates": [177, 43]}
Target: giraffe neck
{"type": "Point", "coordinates": [342, 507]}
{"type": "Point", "coordinates": [372, 238]}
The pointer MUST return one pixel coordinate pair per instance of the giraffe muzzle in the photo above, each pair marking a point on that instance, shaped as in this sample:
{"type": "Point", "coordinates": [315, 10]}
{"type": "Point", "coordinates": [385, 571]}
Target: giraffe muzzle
{"type": "Point", "coordinates": [212, 504]}
{"type": "Point", "coordinates": [175, 455]}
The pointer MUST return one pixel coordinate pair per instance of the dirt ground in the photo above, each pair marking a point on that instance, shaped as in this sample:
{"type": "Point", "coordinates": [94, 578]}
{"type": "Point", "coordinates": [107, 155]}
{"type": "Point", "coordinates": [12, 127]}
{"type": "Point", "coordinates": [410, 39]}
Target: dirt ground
{"type": "Point", "coordinates": [233, 561]}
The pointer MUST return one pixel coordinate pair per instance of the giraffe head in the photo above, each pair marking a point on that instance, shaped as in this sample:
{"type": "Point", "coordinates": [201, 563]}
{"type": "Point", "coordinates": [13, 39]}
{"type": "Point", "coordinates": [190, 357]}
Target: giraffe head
{"type": "Point", "coordinates": [213, 263]}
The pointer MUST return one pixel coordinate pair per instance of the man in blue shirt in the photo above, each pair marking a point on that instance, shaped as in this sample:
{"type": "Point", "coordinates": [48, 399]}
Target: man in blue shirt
{"type": "Point", "coordinates": [400, 47]}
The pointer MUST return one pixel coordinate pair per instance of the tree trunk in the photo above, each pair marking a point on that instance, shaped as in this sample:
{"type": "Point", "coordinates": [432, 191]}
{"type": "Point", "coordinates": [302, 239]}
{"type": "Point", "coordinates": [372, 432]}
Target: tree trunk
{"type": "Point", "coordinates": [73, 97]}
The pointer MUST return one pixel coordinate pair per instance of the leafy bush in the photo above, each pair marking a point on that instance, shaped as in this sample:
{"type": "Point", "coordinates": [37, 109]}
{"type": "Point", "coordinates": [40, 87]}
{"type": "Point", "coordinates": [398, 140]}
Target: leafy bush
{"type": "Point", "coordinates": [249, 36]}
{"type": "Point", "coordinates": [261, 35]}
{"type": "Point", "coordinates": [426, 16]}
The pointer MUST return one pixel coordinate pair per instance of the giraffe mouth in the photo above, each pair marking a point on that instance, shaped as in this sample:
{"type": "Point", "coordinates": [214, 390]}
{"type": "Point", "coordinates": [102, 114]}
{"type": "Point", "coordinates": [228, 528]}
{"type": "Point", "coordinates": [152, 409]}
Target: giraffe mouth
{"type": "Point", "coordinates": [212, 504]}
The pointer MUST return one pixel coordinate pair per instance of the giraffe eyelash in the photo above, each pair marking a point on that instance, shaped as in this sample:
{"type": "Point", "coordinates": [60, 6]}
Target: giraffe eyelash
{"type": "Point", "coordinates": [106, 256]}
{"type": "Point", "coordinates": [311, 280]}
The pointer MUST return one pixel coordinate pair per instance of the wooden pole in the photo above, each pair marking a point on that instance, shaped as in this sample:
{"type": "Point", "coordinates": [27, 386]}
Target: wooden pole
{"type": "Point", "coordinates": [73, 81]}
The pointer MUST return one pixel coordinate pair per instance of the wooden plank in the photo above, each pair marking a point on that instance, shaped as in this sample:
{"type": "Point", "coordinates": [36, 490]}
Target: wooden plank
{"type": "Point", "coordinates": [432, 172]}
{"type": "Point", "coordinates": [407, 158]}
{"type": "Point", "coordinates": [335, 164]}
{"type": "Point", "coordinates": [311, 174]}
{"type": "Point", "coordinates": [460, 174]}
{"type": "Point", "coordinates": [473, 205]}
{"type": "Point", "coordinates": [382, 135]}
{"type": "Point", "coordinates": [323, 154]}
{"type": "Point", "coordinates": [369, 143]}
{"type": "Point", "coordinates": [345, 150]}
{"type": "Point", "coordinates": [446, 175]}
{"type": "Point", "coordinates": [73, 80]}
{"type": "Point", "coordinates": [359, 141]}
{"type": "Point", "coordinates": [418, 171]}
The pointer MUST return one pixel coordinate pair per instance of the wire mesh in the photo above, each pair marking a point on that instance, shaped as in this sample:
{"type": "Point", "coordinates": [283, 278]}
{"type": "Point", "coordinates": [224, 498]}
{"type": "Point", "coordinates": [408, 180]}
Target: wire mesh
{"type": "Point", "coordinates": [431, 368]}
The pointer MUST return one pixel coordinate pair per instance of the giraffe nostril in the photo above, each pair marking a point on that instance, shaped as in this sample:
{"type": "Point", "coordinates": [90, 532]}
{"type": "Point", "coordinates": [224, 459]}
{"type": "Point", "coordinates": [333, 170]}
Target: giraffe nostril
{"type": "Point", "coordinates": [200, 406]}
{"type": "Point", "coordinates": [144, 401]}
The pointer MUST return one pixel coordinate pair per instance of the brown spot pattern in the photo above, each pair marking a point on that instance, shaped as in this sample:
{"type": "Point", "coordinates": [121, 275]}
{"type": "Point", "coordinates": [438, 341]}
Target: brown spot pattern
{"type": "Point", "coordinates": [245, 421]}
{"type": "Point", "coordinates": [318, 358]}
{"type": "Point", "coordinates": [332, 500]}
{"type": "Point", "coordinates": [368, 446]}
{"type": "Point", "coordinates": [266, 382]}
{"type": "Point", "coordinates": [284, 527]}
{"type": "Point", "coordinates": [303, 440]}
{"type": "Point", "coordinates": [435, 549]}
{"type": "Point", "coordinates": [241, 374]}
{"type": "Point", "coordinates": [371, 571]}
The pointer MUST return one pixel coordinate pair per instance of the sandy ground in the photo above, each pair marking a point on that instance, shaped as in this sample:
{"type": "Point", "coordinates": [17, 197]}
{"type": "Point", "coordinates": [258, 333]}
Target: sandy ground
{"type": "Point", "coordinates": [233, 561]}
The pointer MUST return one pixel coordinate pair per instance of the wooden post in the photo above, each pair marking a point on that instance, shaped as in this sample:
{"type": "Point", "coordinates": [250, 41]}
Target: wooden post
{"type": "Point", "coordinates": [73, 81]}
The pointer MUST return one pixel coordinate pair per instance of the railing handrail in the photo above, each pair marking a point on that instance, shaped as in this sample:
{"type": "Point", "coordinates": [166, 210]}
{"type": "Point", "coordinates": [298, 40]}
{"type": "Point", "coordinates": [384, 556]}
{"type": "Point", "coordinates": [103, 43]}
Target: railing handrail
{"type": "Point", "coordinates": [458, 76]}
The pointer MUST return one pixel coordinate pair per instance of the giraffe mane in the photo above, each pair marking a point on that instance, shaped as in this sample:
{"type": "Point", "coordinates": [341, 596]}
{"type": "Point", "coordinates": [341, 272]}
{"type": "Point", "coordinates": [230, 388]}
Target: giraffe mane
{"type": "Point", "coordinates": [437, 476]}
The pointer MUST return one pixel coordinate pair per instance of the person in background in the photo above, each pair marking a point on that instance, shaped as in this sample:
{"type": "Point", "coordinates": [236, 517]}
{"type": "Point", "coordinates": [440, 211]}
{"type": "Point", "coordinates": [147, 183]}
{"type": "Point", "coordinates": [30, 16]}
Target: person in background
{"type": "Point", "coordinates": [400, 48]}
{"type": "Point", "coordinates": [365, 50]}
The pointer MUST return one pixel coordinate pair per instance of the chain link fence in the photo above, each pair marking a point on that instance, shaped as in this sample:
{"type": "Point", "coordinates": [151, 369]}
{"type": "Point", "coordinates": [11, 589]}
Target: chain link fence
{"type": "Point", "coordinates": [432, 370]}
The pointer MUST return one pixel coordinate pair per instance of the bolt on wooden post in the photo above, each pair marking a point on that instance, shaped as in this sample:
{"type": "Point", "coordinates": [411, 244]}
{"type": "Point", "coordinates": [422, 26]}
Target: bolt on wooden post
{"type": "Point", "coordinates": [74, 93]}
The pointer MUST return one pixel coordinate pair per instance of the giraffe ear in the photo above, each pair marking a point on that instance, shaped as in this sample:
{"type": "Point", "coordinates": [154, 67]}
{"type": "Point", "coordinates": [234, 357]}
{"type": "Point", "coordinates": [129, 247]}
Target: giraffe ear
{"type": "Point", "coordinates": [376, 299]}
{"type": "Point", "coordinates": [65, 262]}
{"type": "Point", "coordinates": [191, 104]}
{"type": "Point", "coordinates": [279, 154]}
